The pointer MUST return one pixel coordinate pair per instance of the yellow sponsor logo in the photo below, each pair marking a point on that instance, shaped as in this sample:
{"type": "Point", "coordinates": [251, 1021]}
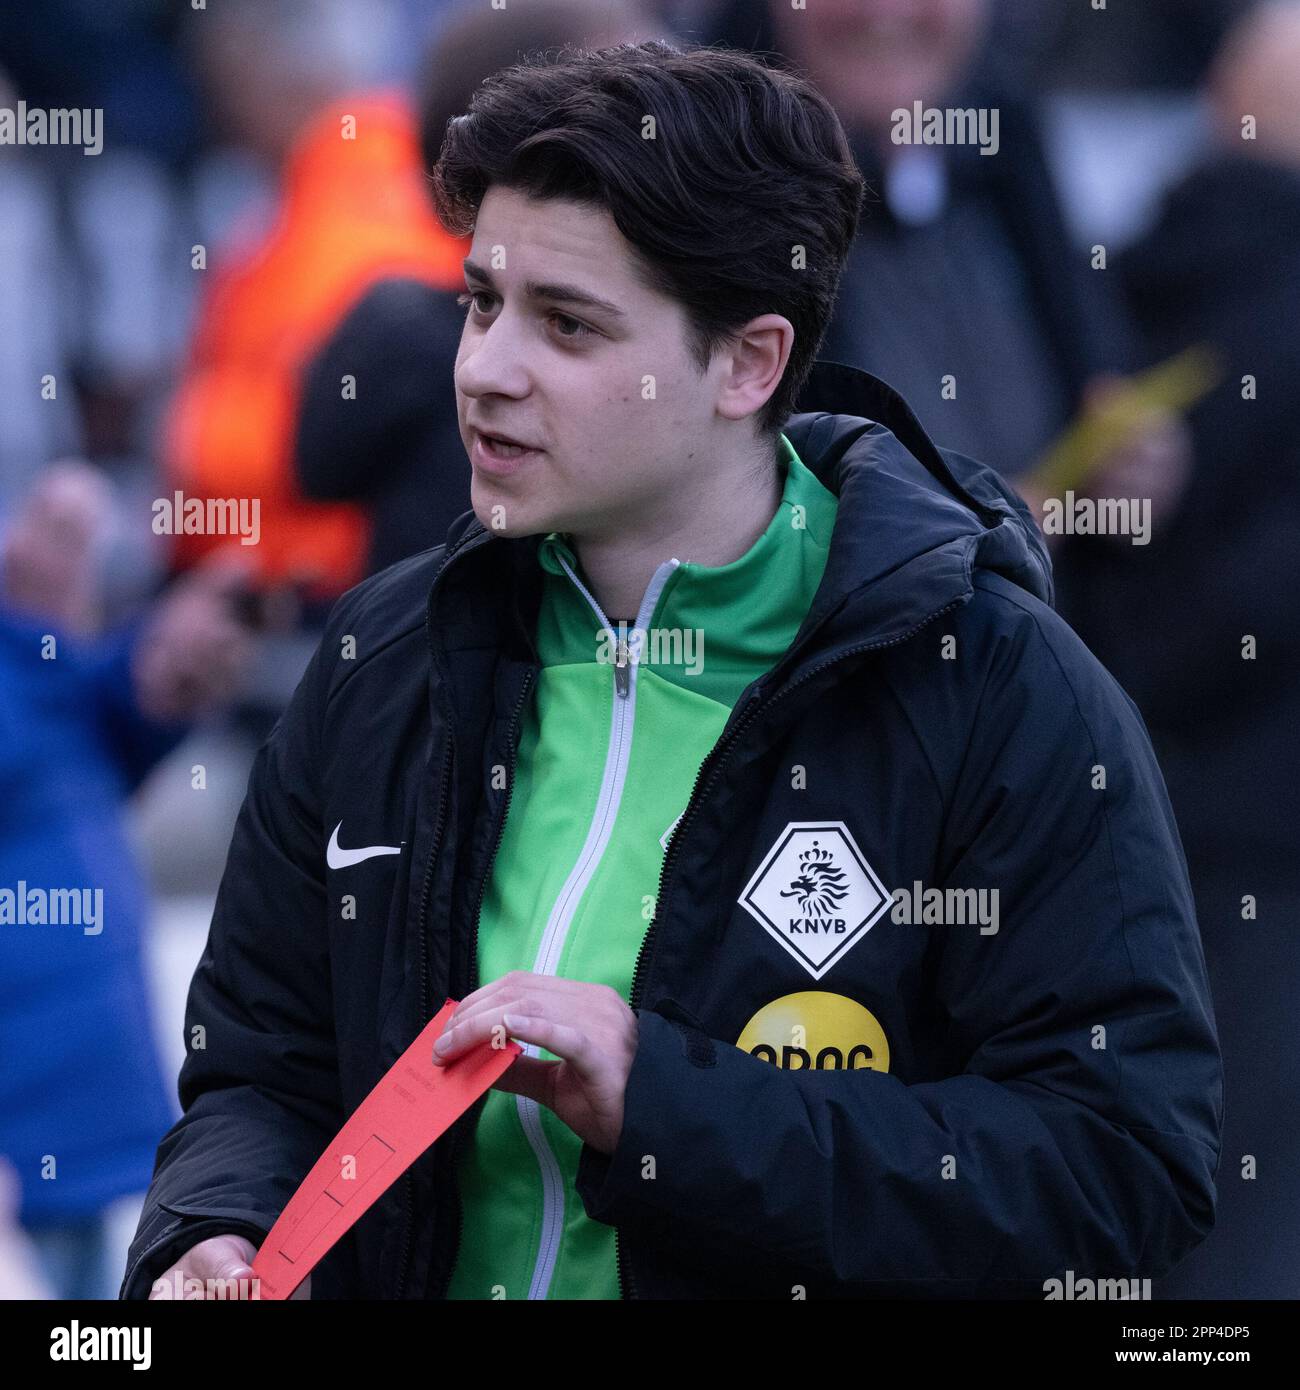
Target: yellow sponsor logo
{"type": "Point", "coordinates": [816, 1031]}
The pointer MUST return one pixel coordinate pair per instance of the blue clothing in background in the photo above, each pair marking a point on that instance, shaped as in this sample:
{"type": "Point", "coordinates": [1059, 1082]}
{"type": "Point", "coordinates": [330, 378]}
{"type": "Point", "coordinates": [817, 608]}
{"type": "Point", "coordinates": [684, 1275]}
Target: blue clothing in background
{"type": "Point", "coordinates": [79, 1072]}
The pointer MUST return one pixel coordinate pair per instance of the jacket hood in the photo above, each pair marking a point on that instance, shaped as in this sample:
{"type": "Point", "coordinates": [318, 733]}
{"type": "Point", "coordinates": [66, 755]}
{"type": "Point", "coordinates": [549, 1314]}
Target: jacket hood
{"type": "Point", "coordinates": [901, 497]}
{"type": "Point", "coordinates": [913, 522]}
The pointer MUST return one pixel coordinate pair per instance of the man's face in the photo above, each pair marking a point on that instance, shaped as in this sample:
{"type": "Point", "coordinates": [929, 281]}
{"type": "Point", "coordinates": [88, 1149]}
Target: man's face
{"type": "Point", "coordinates": [871, 57]}
{"type": "Point", "coordinates": [570, 378]}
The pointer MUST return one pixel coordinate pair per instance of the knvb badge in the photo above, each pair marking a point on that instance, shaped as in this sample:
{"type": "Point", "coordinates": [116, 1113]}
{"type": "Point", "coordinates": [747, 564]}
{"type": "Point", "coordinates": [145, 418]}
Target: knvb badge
{"type": "Point", "coordinates": [815, 893]}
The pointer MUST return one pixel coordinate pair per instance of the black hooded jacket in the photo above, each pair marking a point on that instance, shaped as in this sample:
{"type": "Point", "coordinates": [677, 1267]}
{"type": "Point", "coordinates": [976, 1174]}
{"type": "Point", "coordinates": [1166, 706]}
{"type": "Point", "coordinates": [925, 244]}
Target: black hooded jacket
{"type": "Point", "coordinates": [1053, 1097]}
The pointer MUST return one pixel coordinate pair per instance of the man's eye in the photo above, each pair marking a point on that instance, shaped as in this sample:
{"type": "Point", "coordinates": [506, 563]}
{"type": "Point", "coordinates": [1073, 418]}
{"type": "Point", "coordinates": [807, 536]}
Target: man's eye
{"type": "Point", "coordinates": [464, 300]}
{"type": "Point", "coordinates": [567, 327]}
{"type": "Point", "coordinates": [582, 330]}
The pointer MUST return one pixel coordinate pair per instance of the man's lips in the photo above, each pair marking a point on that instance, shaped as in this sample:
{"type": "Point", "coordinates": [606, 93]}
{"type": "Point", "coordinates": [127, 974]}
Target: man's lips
{"type": "Point", "coordinates": [503, 437]}
{"type": "Point", "coordinates": [486, 456]}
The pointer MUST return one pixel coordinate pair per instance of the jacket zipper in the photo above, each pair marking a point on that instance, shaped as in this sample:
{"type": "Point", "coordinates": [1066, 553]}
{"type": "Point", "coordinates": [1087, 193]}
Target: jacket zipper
{"type": "Point", "coordinates": [457, 1142]}
{"type": "Point", "coordinates": [718, 757]}
{"type": "Point", "coordinates": [426, 890]}
{"type": "Point", "coordinates": [408, 1179]}
{"type": "Point", "coordinates": [566, 905]}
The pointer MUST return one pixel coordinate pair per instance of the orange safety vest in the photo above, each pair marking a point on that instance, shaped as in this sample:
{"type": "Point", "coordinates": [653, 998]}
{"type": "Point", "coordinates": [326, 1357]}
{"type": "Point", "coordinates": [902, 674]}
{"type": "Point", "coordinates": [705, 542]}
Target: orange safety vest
{"type": "Point", "coordinates": [354, 209]}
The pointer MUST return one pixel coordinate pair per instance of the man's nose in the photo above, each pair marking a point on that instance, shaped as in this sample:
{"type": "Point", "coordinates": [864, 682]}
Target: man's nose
{"type": "Point", "coordinates": [494, 361]}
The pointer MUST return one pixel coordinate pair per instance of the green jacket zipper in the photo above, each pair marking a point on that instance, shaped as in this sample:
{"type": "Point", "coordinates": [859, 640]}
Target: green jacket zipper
{"type": "Point", "coordinates": [711, 769]}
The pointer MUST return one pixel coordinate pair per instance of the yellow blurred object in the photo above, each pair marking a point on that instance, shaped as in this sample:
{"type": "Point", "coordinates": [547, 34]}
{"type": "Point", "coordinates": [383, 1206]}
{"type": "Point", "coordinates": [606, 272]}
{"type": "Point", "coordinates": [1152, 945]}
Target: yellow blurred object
{"type": "Point", "coordinates": [1174, 386]}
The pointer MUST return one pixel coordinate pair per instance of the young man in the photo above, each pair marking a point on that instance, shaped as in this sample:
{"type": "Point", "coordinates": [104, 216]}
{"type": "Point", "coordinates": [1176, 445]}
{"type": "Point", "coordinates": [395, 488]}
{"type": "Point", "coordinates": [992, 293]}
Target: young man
{"type": "Point", "coordinates": [733, 761]}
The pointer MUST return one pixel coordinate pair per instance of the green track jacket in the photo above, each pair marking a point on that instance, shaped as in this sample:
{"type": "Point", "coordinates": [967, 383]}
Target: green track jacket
{"type": "Point", "coordinates": [608, 755]}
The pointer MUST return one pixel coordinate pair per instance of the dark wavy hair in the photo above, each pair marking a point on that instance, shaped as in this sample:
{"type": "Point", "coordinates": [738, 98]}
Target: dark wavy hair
{"type": "Point", "coordinates": [748, 164]}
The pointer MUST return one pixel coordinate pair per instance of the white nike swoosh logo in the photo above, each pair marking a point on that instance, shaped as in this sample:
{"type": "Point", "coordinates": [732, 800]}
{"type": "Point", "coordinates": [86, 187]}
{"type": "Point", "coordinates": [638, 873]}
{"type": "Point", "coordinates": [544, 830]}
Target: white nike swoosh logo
{"type": "Point", "coordinates": [338, 858]}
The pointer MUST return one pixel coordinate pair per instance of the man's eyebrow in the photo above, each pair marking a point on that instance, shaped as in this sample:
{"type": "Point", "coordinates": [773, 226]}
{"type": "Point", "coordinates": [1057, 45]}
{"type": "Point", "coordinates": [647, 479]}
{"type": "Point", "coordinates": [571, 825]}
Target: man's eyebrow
{"type": "Point", "coordinates": [568, 294]}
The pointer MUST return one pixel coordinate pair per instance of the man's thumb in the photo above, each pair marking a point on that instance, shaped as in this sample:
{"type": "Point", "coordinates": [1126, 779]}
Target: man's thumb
{"type": "Point", "coordinates": [225, 1257]}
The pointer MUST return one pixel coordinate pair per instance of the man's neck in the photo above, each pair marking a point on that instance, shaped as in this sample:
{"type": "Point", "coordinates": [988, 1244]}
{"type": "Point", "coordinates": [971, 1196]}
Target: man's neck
{"type": "Point", "coordinates": [719, 526]}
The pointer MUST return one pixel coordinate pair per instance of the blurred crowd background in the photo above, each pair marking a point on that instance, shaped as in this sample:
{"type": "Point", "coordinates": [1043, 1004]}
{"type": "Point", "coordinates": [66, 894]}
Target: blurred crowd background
{"type": "Point", "coordinates": [181, 312]}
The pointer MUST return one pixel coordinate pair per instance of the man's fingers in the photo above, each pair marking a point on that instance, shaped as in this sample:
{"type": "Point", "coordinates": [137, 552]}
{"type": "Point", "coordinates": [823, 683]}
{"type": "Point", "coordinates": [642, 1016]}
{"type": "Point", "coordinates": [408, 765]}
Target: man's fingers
{"type": "Point", "coordinates": [223, 574]}
{"type": "Point", "coordinates": [222, 1257]}
{"type": "Point", "coordinates": [486, 1026]}
{"type": "Point", "coordinates": [219, 1258]}
{"type": "Point", "coordinates": [521, 992]}
{"type": "Point", "coordinates": [565, 1041]}
{"type": "Point", "coordinates": [520, 1001]}
{"type": "Point", "coordinates": [492, 987]}
{"type": "Point", "coordinates": [518, 980]}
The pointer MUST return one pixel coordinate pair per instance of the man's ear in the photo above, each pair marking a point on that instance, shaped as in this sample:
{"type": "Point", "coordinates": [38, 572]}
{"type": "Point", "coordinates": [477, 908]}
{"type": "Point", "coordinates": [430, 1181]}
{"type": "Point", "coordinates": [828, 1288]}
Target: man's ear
{"type": "Point", "coordinates": [756, 362]}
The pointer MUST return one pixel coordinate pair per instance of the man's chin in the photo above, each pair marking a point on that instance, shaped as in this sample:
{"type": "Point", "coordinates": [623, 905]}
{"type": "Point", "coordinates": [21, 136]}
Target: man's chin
{"type": "Point", "coordinates": [508, 519]}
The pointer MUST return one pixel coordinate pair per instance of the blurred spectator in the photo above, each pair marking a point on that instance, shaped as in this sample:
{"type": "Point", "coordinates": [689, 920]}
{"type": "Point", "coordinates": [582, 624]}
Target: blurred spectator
{"type": "Point", "coordinates": [33, 334]}
{"type": "Point", "coordinates": [118, 55]}
{"type": "Point", "coordinates": [395, 445]}
{"type": "Point", "coordinates": [82, 720]}
{"type": "Point", "coordinates": [351, 209]}
{"type": "Point", "coordinates": [962, 271]}
{"type": "Point", "coordinates": [20, 1273]}
{"type": "Point", "coordinates": [1157, 44]}
{"type": "Point", "coordinates": [1170, 620]}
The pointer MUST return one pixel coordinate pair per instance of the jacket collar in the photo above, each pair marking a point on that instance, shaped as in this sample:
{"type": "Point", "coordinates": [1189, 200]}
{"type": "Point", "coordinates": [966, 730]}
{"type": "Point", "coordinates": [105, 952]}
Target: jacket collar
{"type": "Point", "coordinates": [913, 523]}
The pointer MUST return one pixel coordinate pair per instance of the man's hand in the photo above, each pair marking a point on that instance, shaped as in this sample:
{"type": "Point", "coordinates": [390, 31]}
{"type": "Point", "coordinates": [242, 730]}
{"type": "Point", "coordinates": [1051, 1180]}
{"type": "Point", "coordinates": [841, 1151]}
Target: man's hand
{"type": "Point", "coordinates": [1150, 459]}
{"type": "Point", "coordinates": [587, 1026]}
{"type": "Point", "coordinates": [1153, 462]}
{"type": "Point", "coordinates": [194, 650]}
{"type": "Point", "coordinates": [224, 1267]}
